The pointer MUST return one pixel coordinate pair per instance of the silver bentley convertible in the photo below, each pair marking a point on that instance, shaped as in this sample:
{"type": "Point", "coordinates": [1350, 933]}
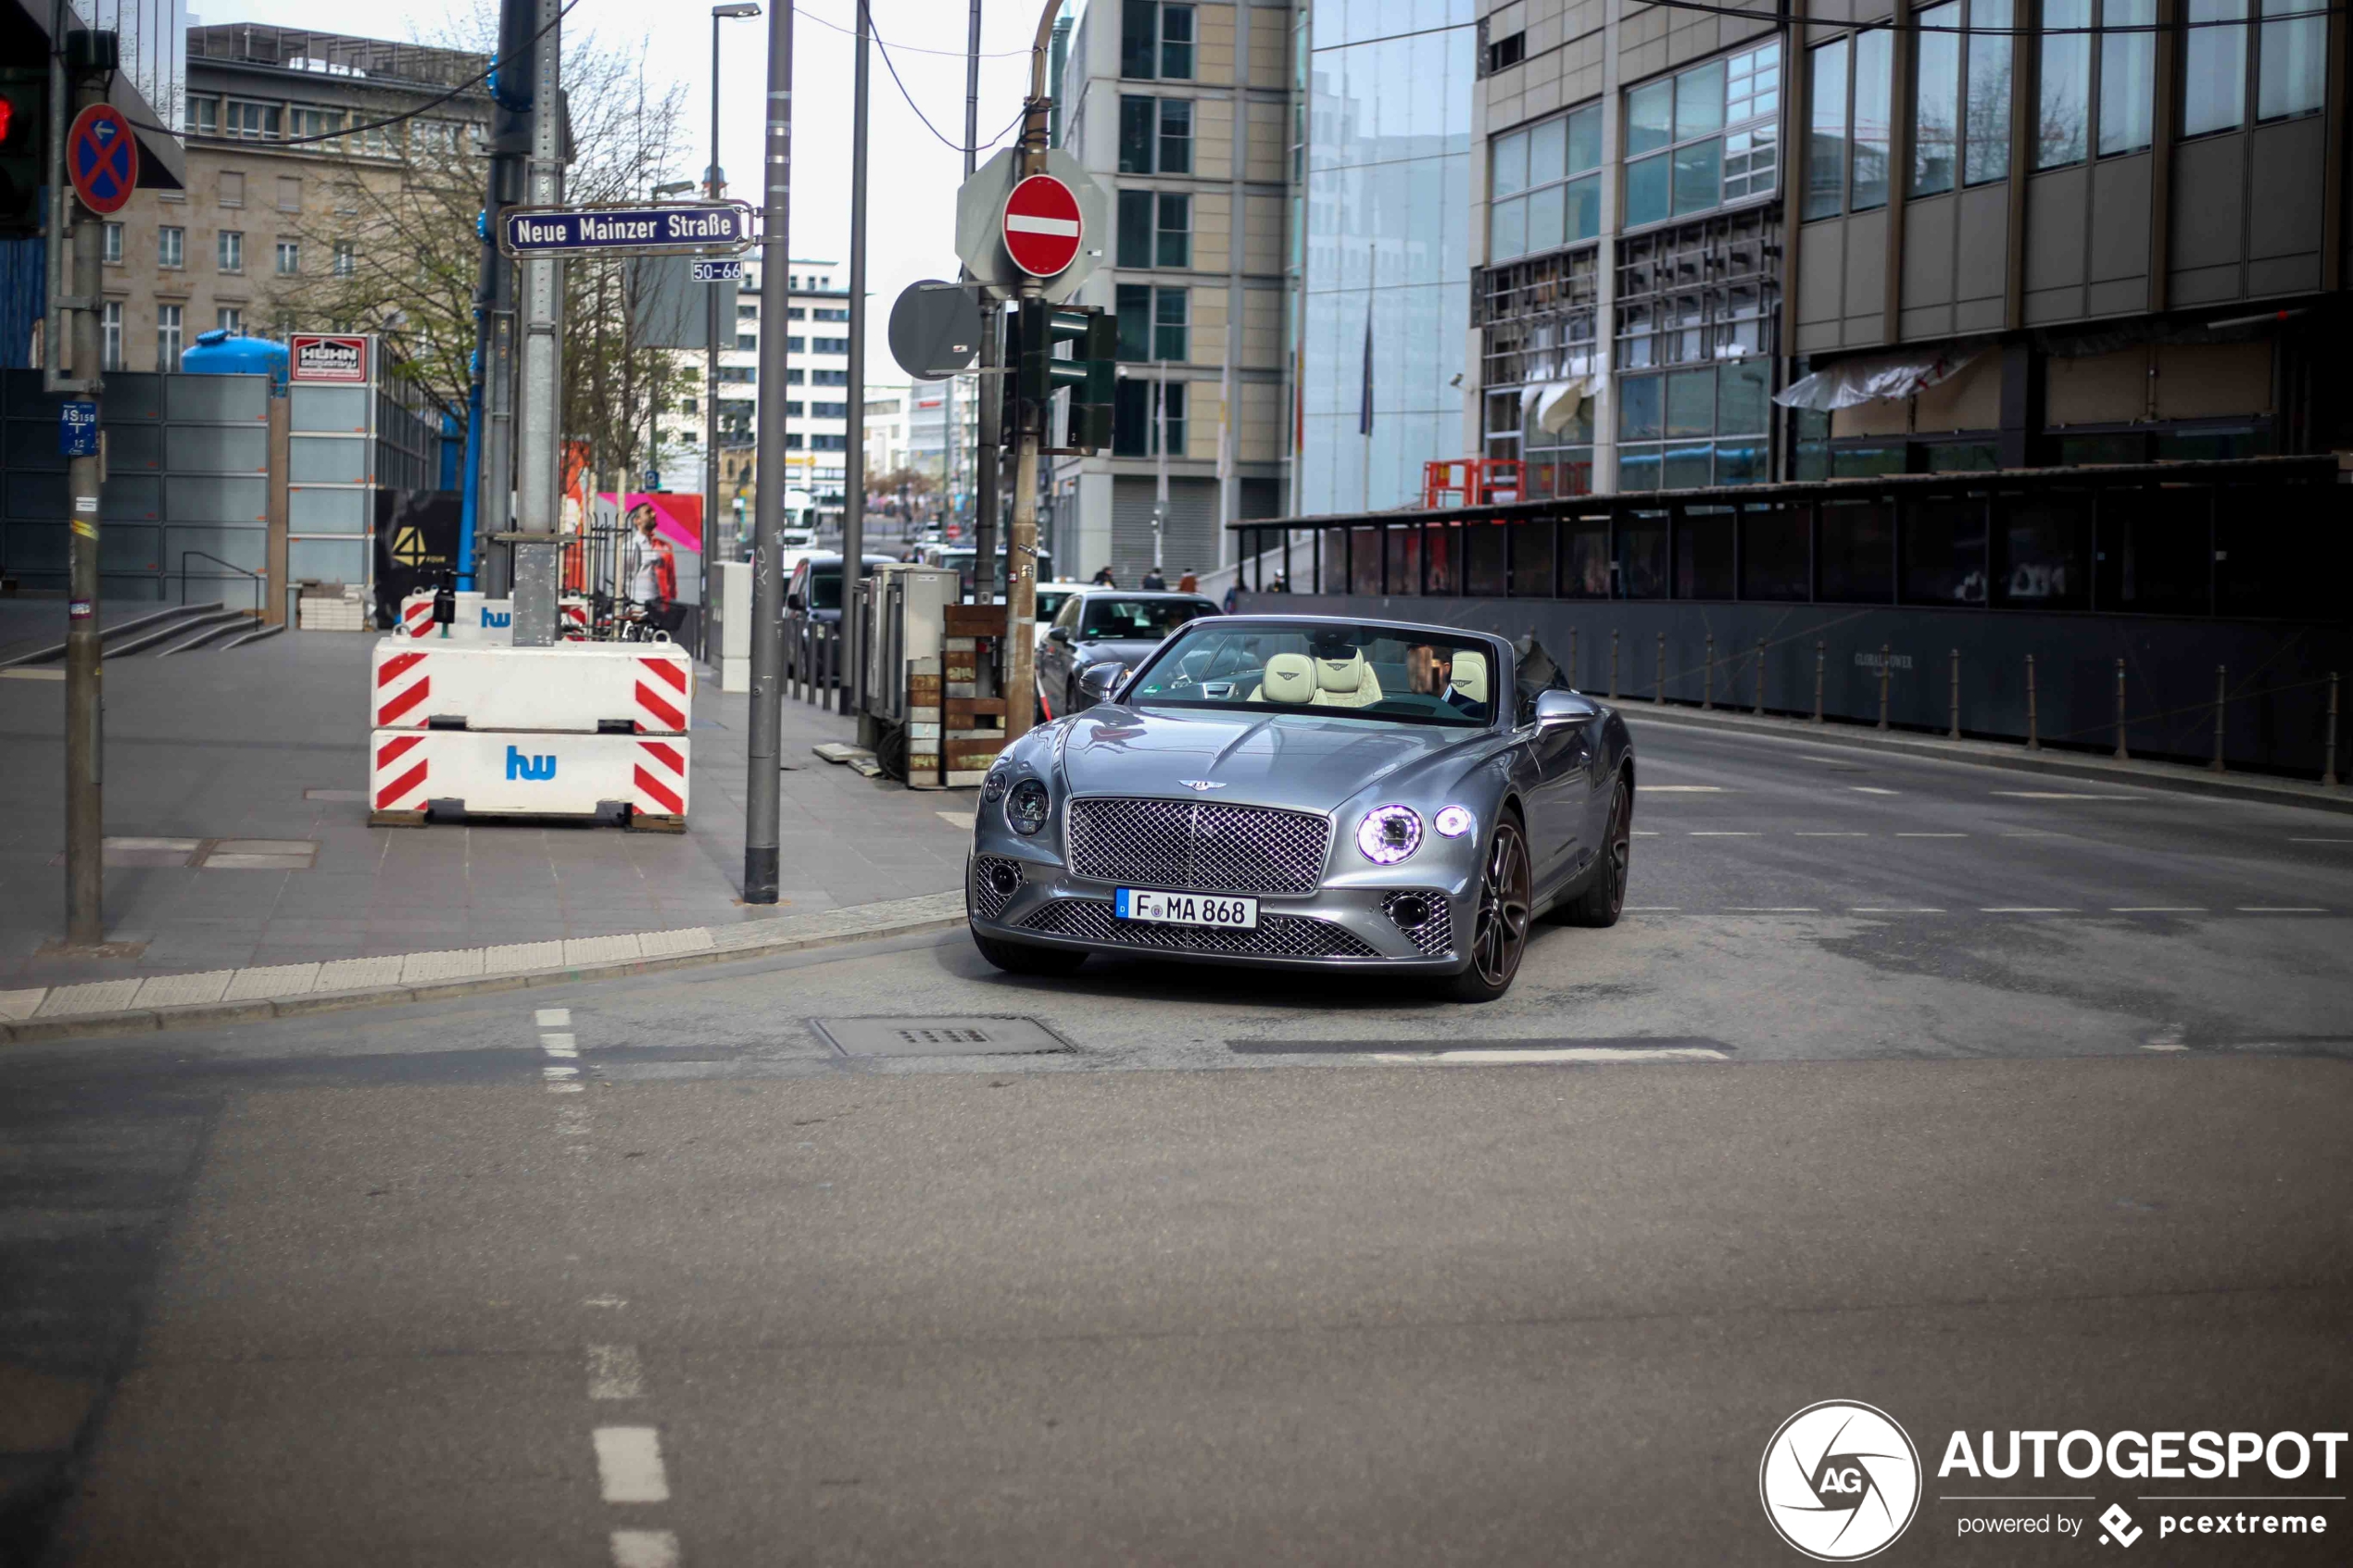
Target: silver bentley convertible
{"type": "Point", "coordinates": [1306, 793]}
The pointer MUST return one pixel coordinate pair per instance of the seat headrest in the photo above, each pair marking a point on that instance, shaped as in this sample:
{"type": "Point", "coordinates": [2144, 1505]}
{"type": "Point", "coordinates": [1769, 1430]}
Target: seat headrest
{"type": "Point", "coordinates": [1291, 677]}
{"type": "Point", "coordinates": [1470, 675]}
{"type": "Point", "coordinates": [1342, 676]}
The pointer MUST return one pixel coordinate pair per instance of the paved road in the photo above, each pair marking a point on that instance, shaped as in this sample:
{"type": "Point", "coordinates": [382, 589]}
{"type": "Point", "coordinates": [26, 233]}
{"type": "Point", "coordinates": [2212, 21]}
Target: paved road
{"type": "Point", "coordinates": [1225, 1280]}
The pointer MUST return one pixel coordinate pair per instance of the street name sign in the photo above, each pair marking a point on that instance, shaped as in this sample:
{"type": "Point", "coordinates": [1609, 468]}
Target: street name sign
{"type": "Point", "coordinates": [1043, 227]}
{"type": "Point", "coordinates": [643, 231]}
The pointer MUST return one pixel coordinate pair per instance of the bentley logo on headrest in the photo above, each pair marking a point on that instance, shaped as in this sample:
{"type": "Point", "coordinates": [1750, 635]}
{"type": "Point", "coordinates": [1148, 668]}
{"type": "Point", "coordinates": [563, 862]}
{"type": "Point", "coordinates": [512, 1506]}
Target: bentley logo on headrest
{"type": "Point", "coordinates": [1200, 786]}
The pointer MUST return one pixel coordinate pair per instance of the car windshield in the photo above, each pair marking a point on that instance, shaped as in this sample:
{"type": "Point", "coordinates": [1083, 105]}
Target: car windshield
{"type": "Point", "coordinates": [1050, 602]}
{"type": "Point", "coordinates": [1383, 673]}
{"type": "Point", "coordinates": [1139, 620]}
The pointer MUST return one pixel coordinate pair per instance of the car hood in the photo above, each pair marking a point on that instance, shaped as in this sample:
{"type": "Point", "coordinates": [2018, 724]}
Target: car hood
{"type": "Point", "coordinates": [1118, 650]}
{"type": "Point", "coordinates": [1294, 760]}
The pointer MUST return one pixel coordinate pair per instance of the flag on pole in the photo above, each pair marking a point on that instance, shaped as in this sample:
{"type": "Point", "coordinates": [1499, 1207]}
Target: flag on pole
{"type": "Point", "coordinates": [1364, 410]}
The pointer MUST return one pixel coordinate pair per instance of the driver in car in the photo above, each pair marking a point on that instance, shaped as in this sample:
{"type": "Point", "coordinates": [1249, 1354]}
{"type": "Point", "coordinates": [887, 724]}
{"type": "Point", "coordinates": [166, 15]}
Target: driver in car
{"type": "Point", "coordinates": [1431, 669]}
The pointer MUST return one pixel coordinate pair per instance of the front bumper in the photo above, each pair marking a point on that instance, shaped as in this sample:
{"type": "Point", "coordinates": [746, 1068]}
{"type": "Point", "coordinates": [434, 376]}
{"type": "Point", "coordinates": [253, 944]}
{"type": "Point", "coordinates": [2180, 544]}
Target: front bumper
{"type": "Point", "coordinates": [1343, 927]}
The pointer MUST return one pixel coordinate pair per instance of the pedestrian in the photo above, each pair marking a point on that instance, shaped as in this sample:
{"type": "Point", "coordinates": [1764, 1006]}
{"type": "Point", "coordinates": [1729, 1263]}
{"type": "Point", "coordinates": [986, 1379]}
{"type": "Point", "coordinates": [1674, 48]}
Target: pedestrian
{"type": "Point", "coordinates": [1233, 596]}
{"type": "Point", "coordinates": [1154, 582]}
{"type": "Point", "coordinates": [1103, 579]}
{"type": "Point", "coordinates": [653, 576]}
{"type": "Point", "coordinates": [1190, 582]}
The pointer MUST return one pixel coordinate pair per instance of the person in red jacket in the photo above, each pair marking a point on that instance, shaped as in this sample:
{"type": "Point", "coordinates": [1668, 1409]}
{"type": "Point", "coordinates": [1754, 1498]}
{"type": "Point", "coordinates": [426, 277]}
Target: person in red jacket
{"type": "Point", "coordinates": [653, 576]}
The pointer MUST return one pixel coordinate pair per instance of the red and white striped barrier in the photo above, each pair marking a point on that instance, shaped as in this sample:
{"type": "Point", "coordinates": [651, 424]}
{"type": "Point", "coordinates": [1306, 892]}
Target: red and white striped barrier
{"type": "Point", "coordinates": [648, 687]}
{"type": "Point", "coordinates": [543, 773]}
{"type": "Point", "coordinates": [484, 620]}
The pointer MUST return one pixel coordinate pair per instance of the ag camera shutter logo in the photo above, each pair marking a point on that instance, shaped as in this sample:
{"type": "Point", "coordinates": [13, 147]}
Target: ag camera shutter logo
{"type": "Point", "coordinates": [1840, 1481]}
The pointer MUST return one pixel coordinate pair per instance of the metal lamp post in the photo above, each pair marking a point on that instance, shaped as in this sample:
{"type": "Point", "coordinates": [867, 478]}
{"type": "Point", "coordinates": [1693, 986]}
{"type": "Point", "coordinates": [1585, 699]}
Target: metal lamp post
{"type": "Point", "coordinates": [714, 183]}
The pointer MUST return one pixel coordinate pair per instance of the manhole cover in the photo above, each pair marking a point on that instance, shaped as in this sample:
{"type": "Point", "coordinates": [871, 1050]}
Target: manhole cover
{"type": "Point", "coordinates": [938, 1036]}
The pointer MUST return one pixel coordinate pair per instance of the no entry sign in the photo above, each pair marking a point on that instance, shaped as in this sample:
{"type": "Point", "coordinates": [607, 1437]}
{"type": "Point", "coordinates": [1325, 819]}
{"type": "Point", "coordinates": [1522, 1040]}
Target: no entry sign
{"type": "Point", "coordinates": [101, 158]}
{"type": "Point", "coordinates": [1042, 226]}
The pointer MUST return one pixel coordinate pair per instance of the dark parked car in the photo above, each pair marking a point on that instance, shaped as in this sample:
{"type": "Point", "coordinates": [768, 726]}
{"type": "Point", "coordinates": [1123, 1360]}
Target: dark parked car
{"type": "Point", "coordinates": [1115, 626]}
{"type": "Point", "coordinates": [815, 588]}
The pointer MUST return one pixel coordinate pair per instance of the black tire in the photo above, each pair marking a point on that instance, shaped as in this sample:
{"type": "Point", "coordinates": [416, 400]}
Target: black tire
{"type": "Point", "coordinates": [1021, 957]}
{"type": "Point", "coordinates": [1603, 898]}
{"type": "Point", "coordinates": [1499, 935]}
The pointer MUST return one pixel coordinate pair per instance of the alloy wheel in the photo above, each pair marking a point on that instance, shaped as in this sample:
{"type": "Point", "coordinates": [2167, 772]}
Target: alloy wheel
{"type": "Point", "coordinates": [1502, 931]}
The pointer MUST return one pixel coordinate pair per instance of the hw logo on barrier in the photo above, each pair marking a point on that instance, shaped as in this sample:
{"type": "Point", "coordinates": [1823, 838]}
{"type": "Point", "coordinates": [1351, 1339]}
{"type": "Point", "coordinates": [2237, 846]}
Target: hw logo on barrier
{"type": "Point", "coordinates": [496, 617]}
{"type": "Point", "coordinates": [521, 767]}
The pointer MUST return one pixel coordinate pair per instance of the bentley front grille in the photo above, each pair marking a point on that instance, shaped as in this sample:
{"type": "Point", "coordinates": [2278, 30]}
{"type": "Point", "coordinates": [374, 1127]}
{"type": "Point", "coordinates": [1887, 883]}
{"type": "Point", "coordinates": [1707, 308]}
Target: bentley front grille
{"type": "Point", "coordinates": [1434, 934]}
{"type": "Point", "coordinates": [1277, 937]}
{"type": "Point", "coordinates": [995, 881]}
{"type": "Point", "coordinates": [1202, 846]}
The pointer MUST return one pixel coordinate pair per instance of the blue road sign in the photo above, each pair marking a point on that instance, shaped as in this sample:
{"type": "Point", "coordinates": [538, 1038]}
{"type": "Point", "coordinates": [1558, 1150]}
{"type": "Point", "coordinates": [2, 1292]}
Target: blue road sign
{"type": "Point", "coordinates": [719, 272]}
{"type": "Point", "coordinates": [102, 159]}
{"type": "Point", "coordinates": [78, 430]}
{"type": "Point", "coordinates": [687, 226]}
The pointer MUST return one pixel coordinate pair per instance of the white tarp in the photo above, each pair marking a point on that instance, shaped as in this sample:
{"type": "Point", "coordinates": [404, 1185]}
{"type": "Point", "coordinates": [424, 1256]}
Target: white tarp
{"type": "Point", "coordinates": [1555, 402]}
{"type": "Point", "coordinates": [1875, 378]}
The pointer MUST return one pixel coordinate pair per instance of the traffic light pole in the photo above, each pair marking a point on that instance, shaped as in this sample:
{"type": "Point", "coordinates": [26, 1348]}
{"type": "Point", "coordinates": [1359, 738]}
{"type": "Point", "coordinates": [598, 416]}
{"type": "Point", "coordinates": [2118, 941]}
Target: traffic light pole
{"type": "Point", "coordinates": [763, 800]}
{"type": "Point", "coordinates": [85, 698]}
{"type": "Point", "coordinates": [1021, 546]}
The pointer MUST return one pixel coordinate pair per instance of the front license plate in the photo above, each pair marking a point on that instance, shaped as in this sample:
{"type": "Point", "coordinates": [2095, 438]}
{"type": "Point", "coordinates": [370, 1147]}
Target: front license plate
{"type": "Point", "coordinates": [1186, 908]}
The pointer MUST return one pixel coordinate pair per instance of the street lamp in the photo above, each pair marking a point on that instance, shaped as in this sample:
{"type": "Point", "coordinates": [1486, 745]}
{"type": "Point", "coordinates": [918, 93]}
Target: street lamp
{"type": "Point", "coordinates": [714, 181]}
{"type": "Point", "coordinates": [674, 188]}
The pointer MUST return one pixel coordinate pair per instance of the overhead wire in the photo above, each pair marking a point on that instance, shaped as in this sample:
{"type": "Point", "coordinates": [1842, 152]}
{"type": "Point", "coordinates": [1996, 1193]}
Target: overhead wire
{"type": "Point", "coordinates": [945, 141]}
{"type": "Point", "coordinates": [1897, 25]}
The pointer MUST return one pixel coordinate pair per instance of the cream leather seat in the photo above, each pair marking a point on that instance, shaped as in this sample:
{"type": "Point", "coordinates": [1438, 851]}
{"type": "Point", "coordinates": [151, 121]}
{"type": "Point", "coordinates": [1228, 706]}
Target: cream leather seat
{"type": "Point", "coordinates": [1470, 675]}
{"type": "Point", "coordinates": [1346, 683]}
{"type": "Point", "coordinates": [1289, 677]}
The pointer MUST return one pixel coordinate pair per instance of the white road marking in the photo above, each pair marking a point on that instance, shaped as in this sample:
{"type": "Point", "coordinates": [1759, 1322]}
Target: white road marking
{"type": "Point", "coordinates": [1721, 832]}
{"type": "Point", "coordinates": [1684, 789]}
{"type": "Point", "coordinates": [1835, 835]}
{"type": "Point", "coordinates": [645, 1549]}
{"type": "Point", "coordinates": [604, 1301]}
{"type": "Point", "coordinates": [2163, 1046]}
{"type": "Point", "coordinates": [1771, 910]}
{"type": "Point", "coordinates": [1869, 789]}
{"type": "Point", "coordinates": [1565, 1053]}
{"type": "Point", "coordinates": [629, 1465]}
{"type": "Point", "coordinates": [2282, 910]}
{"type": "Point", "coordinates": [553, 1018]}
{"type": "Point", "coordinates": [2025, 910]}
{"type": "Point", "coordinates": [2157, 908]}
{"type": "Point", "coordinates": [1883, 909]}
{"type": "Point", "coordinates": [2058, 795]}
{"type": "Point", "coordinates": [2034, 832]}
{"type": "Point", "coordinates": [1651, 908]}
{"type": "Point", "coordinates": [560, 1045]}
{"type": "Point", "coordinates": [562, 1080]}
{"type": "Point", "coordinates": [1931, 836]}
{"type": "Point", "coordinates": [614, 1373]}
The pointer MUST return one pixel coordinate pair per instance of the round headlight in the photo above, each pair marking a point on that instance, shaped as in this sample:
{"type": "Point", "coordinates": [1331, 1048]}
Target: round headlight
{"type": "Point", "coordinates": [993, 787]}
{"type": "Point", "coordinates": [1388, 834]}
{"type": "Point", "coordinates": [1454, 821]}
{"type": "Point", "coordinates": [1025, 808]}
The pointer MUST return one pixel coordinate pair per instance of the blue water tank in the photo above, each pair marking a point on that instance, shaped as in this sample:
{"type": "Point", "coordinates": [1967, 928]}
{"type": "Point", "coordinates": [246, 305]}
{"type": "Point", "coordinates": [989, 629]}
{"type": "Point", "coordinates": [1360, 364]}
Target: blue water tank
{"type": "Point", "coordinates": [218, 353]}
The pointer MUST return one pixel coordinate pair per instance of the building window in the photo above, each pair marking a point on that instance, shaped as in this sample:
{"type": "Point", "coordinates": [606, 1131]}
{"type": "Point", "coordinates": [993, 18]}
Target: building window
{"type": "Point", "coordinates": [2096, 100]}
{"type": "Point", "coordinates": [2294, 78]}
{"type": "Point", "coordinates": [204, 116]}
{"type": "Point", "coordinates": [289, 259]}
{"type": "Point", "coordinates": [829, 410]}
{"type": "Point", "coordinates": [289, 193]}
{"type": "Point", "coordinates": [821, 443]}
{"type": "Point", "coordinates": [254, 121]}
{"type": "Point", "coordinates": [230, 319]}
{"type": "Point", "coordinates": [829, 345]}
{"type": "Point", "coordinates": [1703, 137]}
{"type": "Point", "coordinates": [1156, 135]}
{"type": "Point", "coordinates": [829, 315]}
{"type": "Point", "coordinates": [167, 337]}
{"type": "Point", "coordinates": [110, 244]}
{"type": "Point", "coordinates": [1147, 417]}
{"type": "Point", "coordinates": [794, 313]}
{"type": "Point", "coordinates": [1155, 229]}
{"type": "Point", "coordinates": [232, 188]}
{"type": "Point", "coordinates": [171, 243]}
{"type": "Point", "coordinates": [1544, 185]}
{"type": "Point", "coordinates": [1157, 41]}
{"type": "Point", "coordinates": [1151, 322]}
{"type": "Point", "coordinates": [110, 335]}
{"type": "Point", "coordinates": [1961, 97]}
{"type": "Point", "coordinates": [828, 378]}
{"type": "Point", "coordinates": [2289, 64]}
{"type": "Point", "coordinates": [739, 372]}
{"type": "Point", "coordinates": [1702, 295]}
{"type": "Point", "coordinates": [796, 345]}
{"type": "Point", "coordinates": [1849, 85]}
{"type": "Point", "coordinates": [347, 258]}
{"type": "Point", "coordinates": [794, 410]}
{"type": "Point", "coordinates": [232, 251]}
{"type": "Point", "coordinates": [1506, 53]}
{"type": "Point", "coordinates": [1540, 318]}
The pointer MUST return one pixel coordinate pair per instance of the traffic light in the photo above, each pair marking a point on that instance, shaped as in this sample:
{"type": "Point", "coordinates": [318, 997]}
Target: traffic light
{"type": "Point", "coordinates": [24, 114]}
{"type": "Point", "coordinates": [1091, 370]}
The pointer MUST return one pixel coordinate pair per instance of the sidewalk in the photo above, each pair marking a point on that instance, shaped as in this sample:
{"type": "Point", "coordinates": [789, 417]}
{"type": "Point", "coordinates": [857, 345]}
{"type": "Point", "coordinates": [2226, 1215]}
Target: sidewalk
{"type": "Point", "coordinates": [2265, 788]}
{"type": "Point", "coordinates": [267, 747]}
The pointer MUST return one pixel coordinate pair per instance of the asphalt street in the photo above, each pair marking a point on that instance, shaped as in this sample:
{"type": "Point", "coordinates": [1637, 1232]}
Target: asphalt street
{"type": "Point", "coordinates": [1995, 1100]}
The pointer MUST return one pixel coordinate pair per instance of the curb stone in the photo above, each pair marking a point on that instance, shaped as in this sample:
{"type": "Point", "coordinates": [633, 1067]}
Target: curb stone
{"type": "Point", "coordinates": [2166, 776]}
{"type": "Point", "coordinates": [898, 917]}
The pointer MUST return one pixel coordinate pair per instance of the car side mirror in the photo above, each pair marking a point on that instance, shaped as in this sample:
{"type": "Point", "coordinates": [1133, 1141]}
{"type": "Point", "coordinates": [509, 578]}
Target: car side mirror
{"type": "Point", "coordinates": [1059, 634]}
{"type": "Point", "coordinates": [1555, 709]}
{"type": "Point", "coordinates": [1101, 682]}
{"type": "Point", "coordinates": [792, 603]}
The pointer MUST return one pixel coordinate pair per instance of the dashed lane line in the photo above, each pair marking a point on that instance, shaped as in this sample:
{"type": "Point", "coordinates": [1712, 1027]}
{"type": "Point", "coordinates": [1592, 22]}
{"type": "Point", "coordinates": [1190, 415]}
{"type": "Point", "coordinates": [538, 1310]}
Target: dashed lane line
{"type": "Point", "coordinates": [557, 1040]}
{"type": "Point", "coordinates": [1870, 789]}
{"type": "Point", "coordinates": [1684, 789]}
{"type": "Point", "coordinates": [1721, 832]}
{"type": "Point", "coordinates": [2061, 795]}
{"type": "Point", "coordinates": [2281, 909]}
{"type": "Point", "coordinates": [629, 1467]}
{"type": "Point", "coordinates": [1834, 836]}
{"type": "Point", "coordinates": [2025, 910]}
{"type": "Point", "coordinates": [645, 1549]}
{"type": "Point", "coordinates": [1883, 909]}
{"type": "Point", "coordinates": [1771, 910]}
{"type": "Point", "coordinates": [1931, 836]}
{"type": "Point", "coordinates": [2157, 908]}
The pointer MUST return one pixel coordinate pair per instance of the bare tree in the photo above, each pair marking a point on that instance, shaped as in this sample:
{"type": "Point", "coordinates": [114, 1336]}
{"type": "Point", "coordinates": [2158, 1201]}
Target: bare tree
{"type": "Point", "coordinates": [403, 255]}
